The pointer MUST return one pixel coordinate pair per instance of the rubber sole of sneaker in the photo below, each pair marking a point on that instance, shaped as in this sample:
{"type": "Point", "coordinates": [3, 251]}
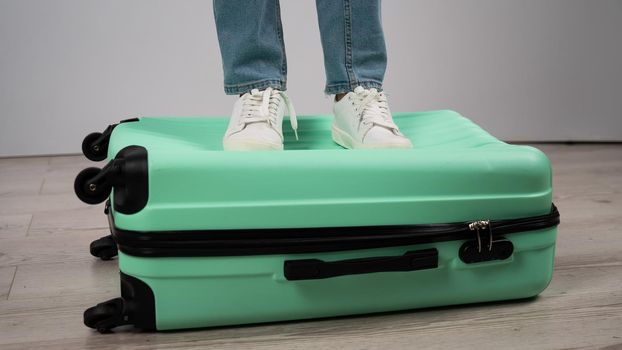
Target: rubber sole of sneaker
{"type": "Point", "coordinates": [344, 140]}
{"type": "Point", "coordinates": [251, 146]}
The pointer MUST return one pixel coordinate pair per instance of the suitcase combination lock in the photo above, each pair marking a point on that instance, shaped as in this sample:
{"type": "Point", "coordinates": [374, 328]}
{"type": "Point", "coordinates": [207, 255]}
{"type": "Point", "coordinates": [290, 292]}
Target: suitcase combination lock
{"type": "Point", "coordinates": [485, 247]}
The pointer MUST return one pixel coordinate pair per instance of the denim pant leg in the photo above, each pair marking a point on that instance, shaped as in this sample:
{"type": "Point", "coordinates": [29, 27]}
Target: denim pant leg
{"type": "Point", "coordinates": [251, 44]}
{"type": "Point", "coordinates": [353, 42]}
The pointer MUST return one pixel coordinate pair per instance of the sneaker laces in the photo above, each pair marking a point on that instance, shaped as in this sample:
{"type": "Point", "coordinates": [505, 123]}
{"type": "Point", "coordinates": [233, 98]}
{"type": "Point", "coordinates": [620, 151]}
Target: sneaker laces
{"type": "Point", "coordinates": [373, 109]}
{"type": "Point", "coordinates": [262, 107]}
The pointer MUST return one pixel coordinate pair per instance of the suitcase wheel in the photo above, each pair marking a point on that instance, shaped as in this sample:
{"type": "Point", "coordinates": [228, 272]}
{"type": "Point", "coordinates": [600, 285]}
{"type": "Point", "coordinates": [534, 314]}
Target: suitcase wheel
{"type": "Point", "coordinates": [106, 316]}
{"type": "Point", "coordinates": [90, 187]}
{"type": "Point", "coordinates": [104, 248]}
{"type": "Point", "coordinates": [95, 146]}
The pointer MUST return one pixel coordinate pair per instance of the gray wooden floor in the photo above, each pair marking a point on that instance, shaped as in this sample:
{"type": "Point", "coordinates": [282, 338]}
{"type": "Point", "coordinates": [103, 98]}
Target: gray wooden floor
{"type": "Point", "coordinates": [47, 277]}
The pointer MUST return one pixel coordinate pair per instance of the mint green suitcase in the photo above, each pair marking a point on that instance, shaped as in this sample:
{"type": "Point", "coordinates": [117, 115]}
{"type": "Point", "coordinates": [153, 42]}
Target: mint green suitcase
{"type": "Point", "coordinates": [211, 238]}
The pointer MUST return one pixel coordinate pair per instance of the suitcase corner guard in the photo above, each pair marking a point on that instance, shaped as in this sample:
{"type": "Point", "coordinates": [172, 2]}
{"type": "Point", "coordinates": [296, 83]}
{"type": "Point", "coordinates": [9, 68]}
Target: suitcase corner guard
{"type": "Point", "coordinates": [135, 307]}
{"type": "Point", "coordinates": [126, 175]}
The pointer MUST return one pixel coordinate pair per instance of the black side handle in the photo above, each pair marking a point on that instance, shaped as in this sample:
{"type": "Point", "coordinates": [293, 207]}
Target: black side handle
{"type": "Point", "coordinates": [311, 269]}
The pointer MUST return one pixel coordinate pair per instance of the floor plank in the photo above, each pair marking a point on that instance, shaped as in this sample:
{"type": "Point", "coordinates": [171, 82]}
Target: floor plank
{"type": "Point", "coordinates": [34, 203]}
{"type": "Point", "coordinates": [6, 281]}
{"type": "Point", "coordinates": [70, 247]}
{"type": "Point", "coordinates": [57, 222]}
{"type": "Point", "coordinates": [19, 176]}
{"type": "Point", "coordinates": [14, 225]}
{"type": "Point", "coordinates": [62, 171]}
{"type": "Point", "coordinates": [66, 278]}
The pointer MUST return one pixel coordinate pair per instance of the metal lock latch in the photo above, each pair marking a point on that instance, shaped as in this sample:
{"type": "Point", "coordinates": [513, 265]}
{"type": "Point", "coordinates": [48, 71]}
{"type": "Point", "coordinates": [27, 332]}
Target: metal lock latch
{"type": "Point", "coordinates": [483, 249]}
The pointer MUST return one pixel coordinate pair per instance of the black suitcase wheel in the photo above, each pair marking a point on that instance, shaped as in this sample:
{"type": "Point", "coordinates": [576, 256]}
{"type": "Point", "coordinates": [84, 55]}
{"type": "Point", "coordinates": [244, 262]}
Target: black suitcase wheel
{"type": "Point", "coordinates": [90, 189]}
{"type": "Point", "coordinates": [106, 316]}
{"type": "Point", "coordinates": [95, 147]}
{"type": "Point", "coordinates": [104, 248]}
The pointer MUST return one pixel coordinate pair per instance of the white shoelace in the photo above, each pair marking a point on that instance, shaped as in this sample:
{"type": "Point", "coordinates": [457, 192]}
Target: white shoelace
{"type": "Point", "coordinates": [373, 108]}
{"type": "Point", "coordinates": [262, 107]}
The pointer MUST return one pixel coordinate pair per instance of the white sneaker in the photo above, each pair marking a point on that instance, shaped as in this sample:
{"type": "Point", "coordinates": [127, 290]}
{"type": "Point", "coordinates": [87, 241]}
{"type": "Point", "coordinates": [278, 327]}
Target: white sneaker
{"type": "Point", "coordinates": [256, 121]}
{"type": "Point", "coordinates": [363, 120]}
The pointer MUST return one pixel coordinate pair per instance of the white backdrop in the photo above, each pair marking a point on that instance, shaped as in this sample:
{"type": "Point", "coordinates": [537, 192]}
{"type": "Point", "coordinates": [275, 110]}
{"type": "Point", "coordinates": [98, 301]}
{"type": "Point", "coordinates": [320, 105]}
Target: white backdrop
{"type": "Point", "coordinates": [525, 70]}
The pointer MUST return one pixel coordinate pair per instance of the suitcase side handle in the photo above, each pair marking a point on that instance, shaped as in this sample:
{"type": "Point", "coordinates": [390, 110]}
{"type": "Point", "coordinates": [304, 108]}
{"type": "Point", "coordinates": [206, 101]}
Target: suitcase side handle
{"type": "Point", "coordinates": [310, 269]}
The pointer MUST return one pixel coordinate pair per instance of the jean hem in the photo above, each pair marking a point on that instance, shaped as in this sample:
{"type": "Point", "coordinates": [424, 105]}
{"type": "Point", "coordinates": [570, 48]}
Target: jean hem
{"type": "Point", "coordinates": [260, 85]}
{"type": "Point", "coordinates": [332, 89]}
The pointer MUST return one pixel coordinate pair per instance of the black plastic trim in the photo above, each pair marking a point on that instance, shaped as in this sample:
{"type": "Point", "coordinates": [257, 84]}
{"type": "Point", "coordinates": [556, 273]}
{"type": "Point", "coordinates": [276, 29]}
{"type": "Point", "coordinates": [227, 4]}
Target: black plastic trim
{"type": "Point", "coordinates": [129, 120]}
{"type": "Point", "coordinates": [307, 240]}
{"type": "Point", "coordinates": [135, 307]}
{"type": "Point", "coordinates": [130, 184]}
{"type": "Point", "coordinates": [139, 302]}
{"type": "Point", "coordinates": [311, 269]}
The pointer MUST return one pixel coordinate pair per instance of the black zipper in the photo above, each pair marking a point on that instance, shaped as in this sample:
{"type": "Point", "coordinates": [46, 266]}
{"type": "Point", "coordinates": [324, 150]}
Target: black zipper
{"type": "Point", "coordinates": [311, 240]}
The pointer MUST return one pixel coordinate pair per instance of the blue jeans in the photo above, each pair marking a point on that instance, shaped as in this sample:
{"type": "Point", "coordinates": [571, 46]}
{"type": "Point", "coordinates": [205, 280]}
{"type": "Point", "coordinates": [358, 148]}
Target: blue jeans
{"type": "Point", "coordinates": [253, 55]}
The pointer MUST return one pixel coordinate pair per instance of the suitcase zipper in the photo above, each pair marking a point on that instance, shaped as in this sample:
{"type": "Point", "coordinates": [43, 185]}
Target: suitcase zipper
{"type": "Point", "coordinates": [479, 237]}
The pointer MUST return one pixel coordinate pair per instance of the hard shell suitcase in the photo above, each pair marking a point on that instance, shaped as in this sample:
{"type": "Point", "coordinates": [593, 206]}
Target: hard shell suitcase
{"type": "Point", "coordinates": [211, 238]}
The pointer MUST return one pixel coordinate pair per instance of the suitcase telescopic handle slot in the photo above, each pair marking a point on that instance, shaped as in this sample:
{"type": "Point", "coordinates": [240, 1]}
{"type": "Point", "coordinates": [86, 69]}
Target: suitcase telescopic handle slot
{"type": "Point", "coordinates": [310, 269]}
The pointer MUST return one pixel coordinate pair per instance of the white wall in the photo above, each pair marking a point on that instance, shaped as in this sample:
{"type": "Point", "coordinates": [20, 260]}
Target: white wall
{"type": "Point", "coordinates": [525, 70]}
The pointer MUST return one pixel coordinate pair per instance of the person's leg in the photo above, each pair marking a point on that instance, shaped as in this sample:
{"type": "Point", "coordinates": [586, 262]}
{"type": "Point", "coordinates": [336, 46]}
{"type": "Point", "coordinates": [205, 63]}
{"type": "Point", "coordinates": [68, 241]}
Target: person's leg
{"type": "Point", "coordinates": [251, 45]}
{"type": "Point", "coordinates": [353, 44]}
{"type": "Point", "coordinates": [254, 64]}
{"type": "Point", "coordinates": [355, 60]}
